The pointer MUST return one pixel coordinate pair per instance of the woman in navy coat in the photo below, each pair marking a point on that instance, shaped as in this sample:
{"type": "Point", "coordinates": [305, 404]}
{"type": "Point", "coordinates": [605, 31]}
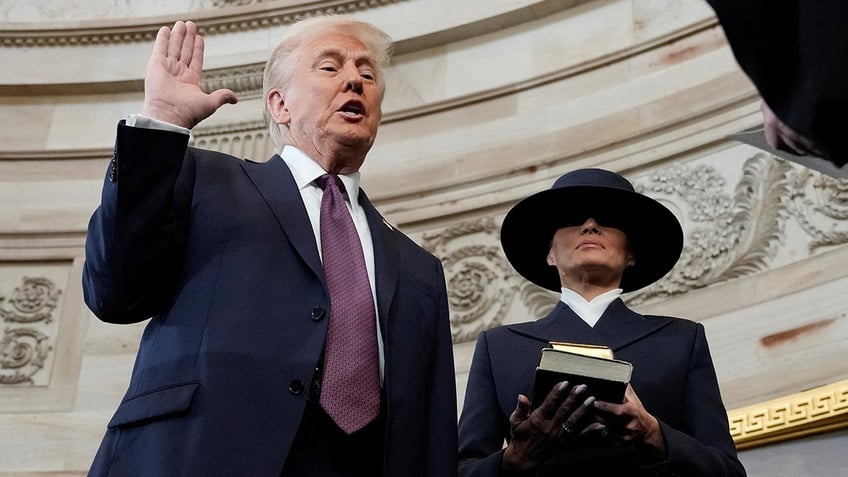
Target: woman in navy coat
{"type": "Point", "coordinates": [592, 237]}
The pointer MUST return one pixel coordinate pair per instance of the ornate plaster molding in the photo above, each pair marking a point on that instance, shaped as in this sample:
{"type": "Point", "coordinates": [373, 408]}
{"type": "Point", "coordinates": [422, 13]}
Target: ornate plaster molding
{"type": "Point", "coordinates": [727, 235]}
{"type": "Point", "coordinates": [25, 349]}
{"type": "Point", "coordinates": [33, 302]}
{"type": "Point", "coordinates": [480, 281]}
{"type": "Point", "coordinates": [735, 235]}
{"type": "Point", "coordinates": [23, 352]}
{"type": "Point", "coordinates": [810, 412]}
{"type": "Point", "coordinates": [243, 16]}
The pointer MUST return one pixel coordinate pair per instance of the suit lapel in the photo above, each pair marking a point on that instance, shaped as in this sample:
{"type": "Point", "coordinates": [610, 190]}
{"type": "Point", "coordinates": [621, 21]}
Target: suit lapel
{"type": "Point", "coordinates": [386, 265]}
{"type": "Point", "coordinates": [618, 327]}
{"type": "Point", "coordinates": [276, 185]}
{"type": "Point", "coordinates": [561, 324]}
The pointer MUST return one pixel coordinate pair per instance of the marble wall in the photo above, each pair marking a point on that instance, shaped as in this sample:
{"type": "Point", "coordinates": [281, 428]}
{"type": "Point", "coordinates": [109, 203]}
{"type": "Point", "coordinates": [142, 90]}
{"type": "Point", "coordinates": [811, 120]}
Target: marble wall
{"type": "Point", "coordinates": [488, 101]}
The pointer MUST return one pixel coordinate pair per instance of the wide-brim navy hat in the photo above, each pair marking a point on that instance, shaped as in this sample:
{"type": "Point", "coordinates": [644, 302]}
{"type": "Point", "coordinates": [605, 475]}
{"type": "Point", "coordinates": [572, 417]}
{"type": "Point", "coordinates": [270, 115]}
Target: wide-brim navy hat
{"type": "Point", "coordinates": [653, 232]}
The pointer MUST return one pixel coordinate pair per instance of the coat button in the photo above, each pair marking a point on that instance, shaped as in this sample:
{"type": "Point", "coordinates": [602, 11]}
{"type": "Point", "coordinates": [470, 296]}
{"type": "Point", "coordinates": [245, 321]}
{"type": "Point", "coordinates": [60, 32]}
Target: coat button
{"type": "Point", "coordinates": [113, 168]}
{"type": "Point", "coordinates": [318, 313]}
{"type": "Point", "coordinates": [296, 386]}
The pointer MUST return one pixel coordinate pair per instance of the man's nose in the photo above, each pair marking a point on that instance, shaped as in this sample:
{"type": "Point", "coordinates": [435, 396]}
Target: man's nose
{"type": "Point", "coordinates": [353, 81]}
{"type": "Point", "coordinates": [354, 84]}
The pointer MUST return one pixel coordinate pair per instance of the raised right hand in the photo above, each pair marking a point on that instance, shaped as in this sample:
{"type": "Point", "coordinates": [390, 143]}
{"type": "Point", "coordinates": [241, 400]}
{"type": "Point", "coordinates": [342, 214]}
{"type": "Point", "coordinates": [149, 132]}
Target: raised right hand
{"type": "Point", "coordinates": [172, 91]}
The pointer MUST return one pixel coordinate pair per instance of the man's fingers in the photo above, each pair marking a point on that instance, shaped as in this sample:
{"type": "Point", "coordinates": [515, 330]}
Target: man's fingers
{"type": "Point", "coordinates": [189, 45]}
{"type": "Point", "coordinates": [198, 47]}
{"type": "Point", "coordinates": [175, 43]}
{"type": "Point", "coordinates": [160, 46]}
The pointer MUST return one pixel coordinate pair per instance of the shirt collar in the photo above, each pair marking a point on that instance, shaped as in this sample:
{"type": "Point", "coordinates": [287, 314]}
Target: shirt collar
{"type": "Point", "coordinates": [305, 170]}
{"type": "Point", "coordinates": [589, 311]}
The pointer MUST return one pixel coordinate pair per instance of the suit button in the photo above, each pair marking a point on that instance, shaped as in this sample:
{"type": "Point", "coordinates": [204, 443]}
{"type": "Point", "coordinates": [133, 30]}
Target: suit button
{"type": "Point", "coordinates": [318, 313]}
{"type": "Point", "coordinates": [113, 168]}
{"type": "Point", "coordinates": [296, 386]}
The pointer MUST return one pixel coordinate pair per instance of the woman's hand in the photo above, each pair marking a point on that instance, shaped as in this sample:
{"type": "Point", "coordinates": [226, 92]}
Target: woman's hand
{"type": "Point", "coordinates": [629, 422]}
{"type": "Point", "coordinates": [561, 416]}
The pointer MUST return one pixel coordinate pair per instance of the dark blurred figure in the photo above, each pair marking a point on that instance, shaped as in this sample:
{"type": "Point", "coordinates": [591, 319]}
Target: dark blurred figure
{"type": "Point", "coordinates": [796, 54]}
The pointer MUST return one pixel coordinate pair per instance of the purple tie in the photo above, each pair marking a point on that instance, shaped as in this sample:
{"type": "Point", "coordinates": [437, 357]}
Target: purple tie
{"type": "Point", "coordinates": [350, 389]}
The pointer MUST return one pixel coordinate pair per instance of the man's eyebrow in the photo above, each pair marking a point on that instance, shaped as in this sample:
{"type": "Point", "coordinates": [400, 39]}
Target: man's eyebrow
{"type": "Point", "coordinates": [364, 57]}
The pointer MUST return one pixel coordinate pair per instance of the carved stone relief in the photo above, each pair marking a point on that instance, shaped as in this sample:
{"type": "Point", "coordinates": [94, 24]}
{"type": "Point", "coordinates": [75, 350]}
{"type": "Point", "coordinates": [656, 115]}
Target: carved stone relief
{"type": "Point", "coordinates": [27, 340]}
{"type": "Point", "coordinates": [481, 283]}
{"type": "Point", "coordinates": [727, 235]}
{"type": "Point", "coordinates": [739, 218]}
{"type": "Point", "coordinates": [774, 207]}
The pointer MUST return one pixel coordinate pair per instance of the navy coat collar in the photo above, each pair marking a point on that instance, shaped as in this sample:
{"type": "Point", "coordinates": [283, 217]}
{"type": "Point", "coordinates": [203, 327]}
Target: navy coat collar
{"type": "Point", "coordinates": [618, 327]}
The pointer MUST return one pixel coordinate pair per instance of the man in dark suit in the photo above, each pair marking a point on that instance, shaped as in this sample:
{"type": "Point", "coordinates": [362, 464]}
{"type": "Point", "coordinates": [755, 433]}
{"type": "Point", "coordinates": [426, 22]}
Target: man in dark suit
{"type": "Point", "coordinates": [796, 54]}
{"type": "Point", "coordinates": [592, 237]}
{"type": "Point", "coordinates": [270, 349]}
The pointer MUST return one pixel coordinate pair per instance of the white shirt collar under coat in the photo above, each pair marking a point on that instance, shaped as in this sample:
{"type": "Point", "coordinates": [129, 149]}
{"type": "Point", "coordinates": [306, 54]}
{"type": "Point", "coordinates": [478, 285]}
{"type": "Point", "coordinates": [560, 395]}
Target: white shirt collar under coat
{"type": "Point", "coordinates": [589, 311]}
{"type": "Point", "coordinates": [305, 170]}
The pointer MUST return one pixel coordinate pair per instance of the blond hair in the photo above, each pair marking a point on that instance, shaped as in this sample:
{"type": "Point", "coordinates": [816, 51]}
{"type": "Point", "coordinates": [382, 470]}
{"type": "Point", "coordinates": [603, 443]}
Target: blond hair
{"type": "Point", "coordinates": [279, 68]}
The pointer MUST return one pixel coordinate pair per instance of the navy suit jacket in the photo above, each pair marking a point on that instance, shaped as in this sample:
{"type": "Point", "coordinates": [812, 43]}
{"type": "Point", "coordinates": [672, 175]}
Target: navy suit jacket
{"type": "Point", "coordinates": [673, 376]}
{"type": "Point", "coordinates": [220, 253]}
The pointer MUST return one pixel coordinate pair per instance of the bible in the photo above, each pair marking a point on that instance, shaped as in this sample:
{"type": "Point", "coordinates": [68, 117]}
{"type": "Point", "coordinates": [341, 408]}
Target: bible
{"type": "Point", "coordinates": [606, 378]}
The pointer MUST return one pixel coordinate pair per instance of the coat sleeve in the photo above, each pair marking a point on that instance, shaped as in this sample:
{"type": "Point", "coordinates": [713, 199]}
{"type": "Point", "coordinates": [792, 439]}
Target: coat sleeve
{"type": "Point", "coordinates": [482, 429]}
{"type": "Point", "coordinates": [706, 450]}
{"type": "Point", "coordinates": [136, 237]}
{"type": "Point", "coordinates": [796, 54]}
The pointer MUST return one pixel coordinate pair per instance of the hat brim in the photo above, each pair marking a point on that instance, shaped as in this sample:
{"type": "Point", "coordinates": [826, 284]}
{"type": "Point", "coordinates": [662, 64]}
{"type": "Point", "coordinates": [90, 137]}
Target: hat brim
{"type": "Point", "coordinates": [653, 232]}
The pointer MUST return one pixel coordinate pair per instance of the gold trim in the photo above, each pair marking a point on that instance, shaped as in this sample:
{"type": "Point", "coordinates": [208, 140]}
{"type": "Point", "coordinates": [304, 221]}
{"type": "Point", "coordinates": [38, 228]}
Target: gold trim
{"type": "Point", "coordinates": [806, 413]}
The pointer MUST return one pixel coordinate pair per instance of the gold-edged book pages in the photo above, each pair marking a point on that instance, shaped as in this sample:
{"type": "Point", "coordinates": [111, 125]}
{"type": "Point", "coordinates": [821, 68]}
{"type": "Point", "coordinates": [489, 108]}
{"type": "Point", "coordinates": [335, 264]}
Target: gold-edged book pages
{"type": "Point", "coordinates": [598, 351]}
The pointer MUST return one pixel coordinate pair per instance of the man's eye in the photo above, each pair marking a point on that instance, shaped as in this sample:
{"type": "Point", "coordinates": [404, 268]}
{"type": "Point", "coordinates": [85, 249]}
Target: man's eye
{"type": "Point", "coordinates": [368, 76]}
{"type": "Point", "coordinates": [328, 68]}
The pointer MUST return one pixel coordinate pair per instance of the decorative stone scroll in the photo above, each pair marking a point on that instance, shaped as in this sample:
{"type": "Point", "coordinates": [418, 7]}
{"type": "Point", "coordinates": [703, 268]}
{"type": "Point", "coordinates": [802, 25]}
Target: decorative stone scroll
{"type": "Point", "coordinates": [26, 341]}
{"type": "Point", "coordinates": [481, 284]}
{"type": "Point", "coordinates": [727, 235]}
{"type": "Point", "coordinates": [819, 203]}
{"type": "Point", "coordinates": [32, 302]}
{"type": "Point", "coordinates": [774, 205]}
{"type": "Point", "coordinates": [23, 352]}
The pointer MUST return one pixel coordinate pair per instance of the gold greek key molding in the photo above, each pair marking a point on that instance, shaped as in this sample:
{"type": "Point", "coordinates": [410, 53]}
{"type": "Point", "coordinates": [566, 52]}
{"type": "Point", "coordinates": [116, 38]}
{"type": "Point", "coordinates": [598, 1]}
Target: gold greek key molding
{"type": "Point", "coordinates": [235, 19]}
{"type": "Point", "coordinates": [810, 412]}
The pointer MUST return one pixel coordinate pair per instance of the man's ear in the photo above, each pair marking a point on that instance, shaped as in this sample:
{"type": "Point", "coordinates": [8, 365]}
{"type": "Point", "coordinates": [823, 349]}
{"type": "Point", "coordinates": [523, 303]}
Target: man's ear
{"type": "Point", "coordinates": [277, 107]}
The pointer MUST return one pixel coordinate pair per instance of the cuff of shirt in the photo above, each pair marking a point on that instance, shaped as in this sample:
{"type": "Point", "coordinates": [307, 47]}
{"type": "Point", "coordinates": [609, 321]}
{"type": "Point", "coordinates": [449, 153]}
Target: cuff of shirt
{"type": "Point", "coordinates": [140, 121]}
